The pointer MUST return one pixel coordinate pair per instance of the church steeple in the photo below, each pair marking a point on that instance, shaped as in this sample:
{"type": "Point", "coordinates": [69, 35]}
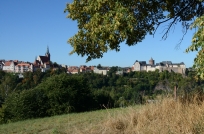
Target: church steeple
{"type": "Point", "coordinates": [48, 53]}
{"type": "Point", "coordinates": [48, 50]}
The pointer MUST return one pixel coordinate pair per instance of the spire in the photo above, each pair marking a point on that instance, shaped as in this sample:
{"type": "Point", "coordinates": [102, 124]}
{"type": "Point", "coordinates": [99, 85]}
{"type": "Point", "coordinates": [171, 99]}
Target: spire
{"type": "Point", "coordinates": [47, 54]}
{"type": "Point", "coordinates": [48, 50]}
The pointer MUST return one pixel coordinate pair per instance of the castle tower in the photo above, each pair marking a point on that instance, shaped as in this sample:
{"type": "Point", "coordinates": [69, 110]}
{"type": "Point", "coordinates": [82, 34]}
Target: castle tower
{"type": "Point", "coordinates": [47, 54]}
{"type": "Point", "coordinates": [151, 61]}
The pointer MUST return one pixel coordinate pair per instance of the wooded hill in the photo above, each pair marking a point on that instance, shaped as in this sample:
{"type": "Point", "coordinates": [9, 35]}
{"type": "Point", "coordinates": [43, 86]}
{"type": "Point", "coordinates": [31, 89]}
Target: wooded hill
{"type": "Point", "coordinates": [56, 92]}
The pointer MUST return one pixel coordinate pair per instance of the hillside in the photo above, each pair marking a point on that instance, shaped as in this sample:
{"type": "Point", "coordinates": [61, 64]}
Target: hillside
{"type": "Point", "coordinates": [63, 124]}
{"type": "Point", "coordinates": [167, 116]}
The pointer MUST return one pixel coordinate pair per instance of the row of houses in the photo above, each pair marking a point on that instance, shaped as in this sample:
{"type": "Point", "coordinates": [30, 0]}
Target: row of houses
{"type": "Point", "coordinates": [43, 63]}
{"type": "Point", "coordinates": [86, 69]}
{"type": "Point", "coordinates": [15, 66]}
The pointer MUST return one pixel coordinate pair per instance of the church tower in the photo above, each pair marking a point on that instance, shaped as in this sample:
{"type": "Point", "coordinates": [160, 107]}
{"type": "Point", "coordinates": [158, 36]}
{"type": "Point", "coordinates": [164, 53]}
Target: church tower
{"type": "Point", "coordinates": [151, 61]}
{"type": "Point", "coordinates": [47, 54]}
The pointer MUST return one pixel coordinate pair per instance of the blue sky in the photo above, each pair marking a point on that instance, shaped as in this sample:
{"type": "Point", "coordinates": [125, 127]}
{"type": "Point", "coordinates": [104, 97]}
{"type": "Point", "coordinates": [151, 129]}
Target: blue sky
{"type": "Point", "coordinates": [27, 27]}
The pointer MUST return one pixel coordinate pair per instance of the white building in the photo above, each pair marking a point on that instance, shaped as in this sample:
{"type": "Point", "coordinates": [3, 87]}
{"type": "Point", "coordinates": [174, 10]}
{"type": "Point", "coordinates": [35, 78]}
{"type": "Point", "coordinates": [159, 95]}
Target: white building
{"type": "Point", "coordinates": [164, 65]}
{"type": "Point", "coordinates": [103, 71]}
{"type": "Point", "coordinates": [9, 66]}
{"type": "Point", "coordinates": [23, 67]}
{"type": "Point", "coordinates": [17, 67]}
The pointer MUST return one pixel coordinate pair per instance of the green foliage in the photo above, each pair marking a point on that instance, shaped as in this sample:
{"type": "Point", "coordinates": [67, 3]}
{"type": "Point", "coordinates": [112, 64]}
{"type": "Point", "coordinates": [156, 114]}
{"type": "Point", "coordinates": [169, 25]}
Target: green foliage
{"type": "Point", "coordinates": [26, 104]}
{"type": "Point", "coordinates": [102, 99]}
{"type": "Point", "coordinates": [104, 24]}
{"type": "Point", "coordinates": [198, 45]}
{"type": "Point", "coordinates": [2, 74]}
{"type": "Point", "coordinates": [59, 94]}
{"type": "Point", "coordinates": [8, 84]}
{"type": "Point", "coordinates": [55, 94]}
{"type": "Point", "coordinates": [64, 91]}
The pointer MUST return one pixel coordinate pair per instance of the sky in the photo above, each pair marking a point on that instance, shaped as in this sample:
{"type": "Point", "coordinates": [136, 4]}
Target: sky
{"type": "Point", "coordinates": [27, 27]}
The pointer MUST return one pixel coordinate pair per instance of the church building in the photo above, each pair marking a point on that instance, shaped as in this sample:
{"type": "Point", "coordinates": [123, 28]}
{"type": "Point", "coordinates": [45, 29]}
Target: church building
{"type": "Point", "coordinates": [42, 62]}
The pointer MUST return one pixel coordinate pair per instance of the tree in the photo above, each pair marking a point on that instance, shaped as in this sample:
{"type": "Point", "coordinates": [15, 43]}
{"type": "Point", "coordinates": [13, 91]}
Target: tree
{"type": "Point", "coordinates": [104, 24]}
{"type": "Point", "coordinates": [99, 66]}
{"type": "Point", "coordinates": [198, 45]}
{"type": "Point", "coordinates": [112, 70]}
{"type": "Point", "coordinates": [8, 85]}
{"type": "Point", "coordinates": [55, 65]}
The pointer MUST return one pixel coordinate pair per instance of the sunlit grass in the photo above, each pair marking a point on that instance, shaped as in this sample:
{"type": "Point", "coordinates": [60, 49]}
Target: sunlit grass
{"type": "Point", "coordinates": [63, 124]}
{"type": "Point", "coordinates": [164, 117]}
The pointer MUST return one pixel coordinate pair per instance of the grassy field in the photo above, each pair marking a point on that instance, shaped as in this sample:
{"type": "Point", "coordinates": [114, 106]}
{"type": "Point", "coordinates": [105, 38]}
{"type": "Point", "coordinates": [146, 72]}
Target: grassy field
{"type": "Point", "coordinates": [87, 122]}
{"type": "Point", "coordinates": [165, 117]}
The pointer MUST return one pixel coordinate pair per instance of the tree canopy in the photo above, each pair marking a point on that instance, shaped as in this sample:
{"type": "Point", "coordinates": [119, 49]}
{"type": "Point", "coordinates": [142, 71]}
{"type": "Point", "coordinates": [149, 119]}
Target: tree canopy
{"type": "Point", "coordinates": [198, 45]}
{"type": "Point", "coordinates": [104, 24]}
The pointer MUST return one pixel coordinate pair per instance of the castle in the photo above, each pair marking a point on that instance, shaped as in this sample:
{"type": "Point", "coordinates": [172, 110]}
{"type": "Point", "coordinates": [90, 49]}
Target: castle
{"type": "Point", "coordinates": [161, 66]}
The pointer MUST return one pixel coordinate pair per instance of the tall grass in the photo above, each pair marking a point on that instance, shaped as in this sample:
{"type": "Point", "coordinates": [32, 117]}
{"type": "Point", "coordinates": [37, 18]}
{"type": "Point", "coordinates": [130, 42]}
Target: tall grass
{"type": "Point", "coordinates": [165, 117]}
{"type": "Point", "coordinates": [74, 123]}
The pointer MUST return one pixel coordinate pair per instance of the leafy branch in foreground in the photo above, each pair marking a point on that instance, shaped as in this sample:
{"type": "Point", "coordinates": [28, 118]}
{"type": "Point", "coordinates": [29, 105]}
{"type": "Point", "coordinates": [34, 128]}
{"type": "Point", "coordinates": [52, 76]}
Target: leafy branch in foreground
{"type": "Point", "coordinates": [198, 45]}
{"type": "Point", "coordinates": [104, 24]}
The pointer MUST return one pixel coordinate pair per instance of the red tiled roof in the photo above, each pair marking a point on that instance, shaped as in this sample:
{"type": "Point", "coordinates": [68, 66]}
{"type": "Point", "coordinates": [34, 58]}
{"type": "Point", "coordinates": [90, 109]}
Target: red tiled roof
{"type": "Point", "coordinates": [75, 70]}
{"type": "Point", "coordinates": [73, 67]}
{"type": "Point", "coordinates": [23, 64]}
{"type": "Point", "coordinates": [92, 67]}
{"type": "Point", "coordinates": [7, 63]}
{"type": "Point", "coordinates": [88, 68]}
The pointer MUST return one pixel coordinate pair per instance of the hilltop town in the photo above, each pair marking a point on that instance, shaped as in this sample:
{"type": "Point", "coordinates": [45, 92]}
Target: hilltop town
{"type": "Point", "coordinates": [44, 63]}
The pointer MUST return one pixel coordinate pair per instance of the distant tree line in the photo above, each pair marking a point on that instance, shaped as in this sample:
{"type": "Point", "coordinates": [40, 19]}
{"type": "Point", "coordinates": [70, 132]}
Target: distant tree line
{"type": "Point", "coordinates": [43, 94]}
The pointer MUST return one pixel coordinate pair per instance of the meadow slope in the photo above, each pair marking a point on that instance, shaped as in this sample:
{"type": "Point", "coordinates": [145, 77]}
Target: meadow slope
{"type": "Point", "coordinates": [164, 117]}
{"type": "Point", "coordinates": [63, 124]}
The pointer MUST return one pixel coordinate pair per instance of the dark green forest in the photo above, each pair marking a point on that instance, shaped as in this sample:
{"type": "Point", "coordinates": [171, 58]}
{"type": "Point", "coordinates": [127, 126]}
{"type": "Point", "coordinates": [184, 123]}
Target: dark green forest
{"type": "Point", "coordinates": [54, 92]}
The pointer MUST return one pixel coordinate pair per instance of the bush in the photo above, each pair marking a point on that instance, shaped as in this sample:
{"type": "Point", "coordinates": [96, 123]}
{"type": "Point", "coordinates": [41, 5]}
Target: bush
{"type": "Point", "coordinates": [27, 104]}
{"type": "Point", "coordinates": [59, 94]}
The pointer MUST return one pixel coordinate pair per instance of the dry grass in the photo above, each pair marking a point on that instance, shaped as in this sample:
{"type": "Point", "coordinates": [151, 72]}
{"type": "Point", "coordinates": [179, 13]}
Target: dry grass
{"type": "Point", "coordinates": [165, 117]}
{"type": "Point", "coordinates": [76, 123]}
{"type": "Point", "coordinates": [63, 124]}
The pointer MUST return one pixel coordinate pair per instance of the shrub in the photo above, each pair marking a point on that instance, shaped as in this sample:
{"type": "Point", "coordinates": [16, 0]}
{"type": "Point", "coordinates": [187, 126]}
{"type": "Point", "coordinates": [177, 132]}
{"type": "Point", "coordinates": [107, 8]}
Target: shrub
{"type": "Point", "coordinates": [59, 94]}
